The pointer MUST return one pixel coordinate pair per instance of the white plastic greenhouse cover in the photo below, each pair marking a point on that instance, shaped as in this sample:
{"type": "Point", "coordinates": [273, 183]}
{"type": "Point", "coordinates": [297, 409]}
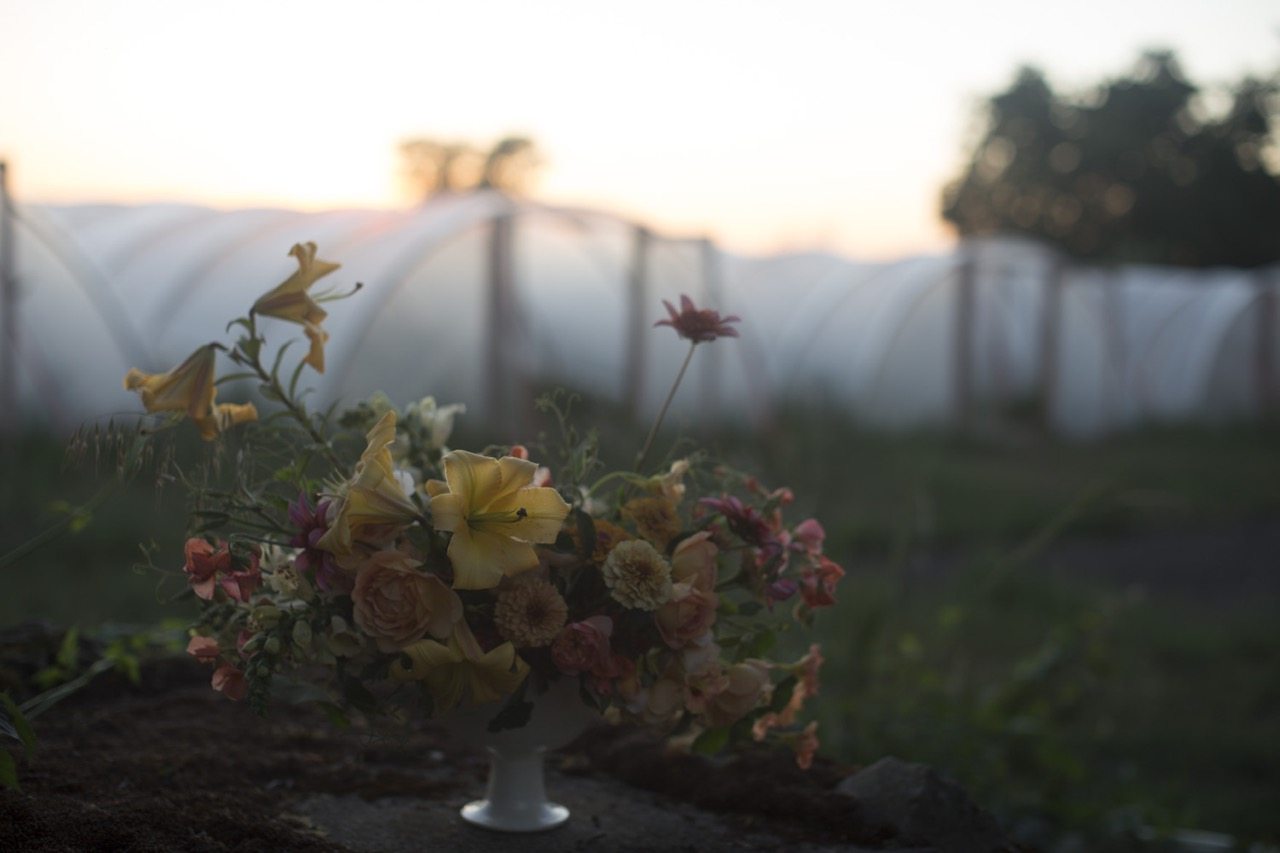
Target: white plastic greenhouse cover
{"type": "Point", "coordinates": [914, 342]}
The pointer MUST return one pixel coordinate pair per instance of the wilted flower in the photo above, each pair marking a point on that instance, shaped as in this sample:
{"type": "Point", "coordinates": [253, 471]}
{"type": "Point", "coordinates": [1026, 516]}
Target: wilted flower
{"type": "Point", "coordinates": [494, 516]}
{"type": "Point", "coordinates": [190, 388]}
{"type": "Point", "coordinates": [530, 612]}
{"type": "Point", "coordinates": [637, 575]}
{"type": "Point", "coordinates": [698, 324]}
{"type": "Point", "coordinates": [290, 301]}
{"type": "Point", "coordinates": [805, 744]}
{"type": "Point", "coordinates": [396, 604]}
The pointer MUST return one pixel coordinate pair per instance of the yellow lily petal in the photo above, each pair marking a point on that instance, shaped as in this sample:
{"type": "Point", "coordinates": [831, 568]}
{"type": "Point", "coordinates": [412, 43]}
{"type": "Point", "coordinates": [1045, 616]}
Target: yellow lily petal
{"type": "Point", "coordinates": [460, 667]}
{"type": "Point", "coordinates": [187, 388]}
{"type": "Point", "coordinates": [373, 497]}
{"type": "Point", "coordinates": [494, 514]}
{"type": "Point", "coordinates": [539, 511]}
{"type": "Point", "coordinates": [190, 388]}
{"type": "Point", "coordinates": [481, 559]}
{"type": "Point", "coordinates": [290, 301]}
{"type": "Point", "coordinates": [495, 675]}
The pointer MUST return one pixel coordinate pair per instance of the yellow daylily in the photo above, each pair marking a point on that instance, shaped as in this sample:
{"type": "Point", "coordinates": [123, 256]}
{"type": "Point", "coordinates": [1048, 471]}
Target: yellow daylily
{"type": "Point", "coordinates": [190, 388]}
{"type": "Point", "coordinates": [290, 300]}
{"type": "Point", "coordinates": [461, 670]}
{"type": "Point", "coordinates": [373, 497]}
{"type": "Point", "coordinates": [494, 515]}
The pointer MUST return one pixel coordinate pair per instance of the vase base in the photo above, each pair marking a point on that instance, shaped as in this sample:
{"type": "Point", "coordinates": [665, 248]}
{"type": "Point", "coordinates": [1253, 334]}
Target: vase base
{"type": "Point", "coordinates": [481, 813]}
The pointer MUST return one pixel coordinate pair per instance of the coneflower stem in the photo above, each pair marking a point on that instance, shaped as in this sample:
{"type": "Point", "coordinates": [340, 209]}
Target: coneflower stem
{"type": "Point", "coordinates": [666, 404]}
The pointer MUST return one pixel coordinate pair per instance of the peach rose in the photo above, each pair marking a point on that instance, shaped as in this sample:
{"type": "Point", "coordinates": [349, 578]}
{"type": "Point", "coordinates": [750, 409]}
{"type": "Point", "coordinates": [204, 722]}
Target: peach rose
{"type": "Point", "coordinates": [687, 615]}
{"type": "Point", "coordinates": [396, 604]}
{"type": "Point", "coordinates": [748, 683]}
{"type": "Point", "coordinates": [694, 561]}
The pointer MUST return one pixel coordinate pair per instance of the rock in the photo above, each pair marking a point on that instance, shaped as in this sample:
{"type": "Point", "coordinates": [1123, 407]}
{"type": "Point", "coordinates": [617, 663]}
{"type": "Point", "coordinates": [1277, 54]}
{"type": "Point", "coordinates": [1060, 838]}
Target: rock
{"type": "Point", "coordinates": [921, 807]}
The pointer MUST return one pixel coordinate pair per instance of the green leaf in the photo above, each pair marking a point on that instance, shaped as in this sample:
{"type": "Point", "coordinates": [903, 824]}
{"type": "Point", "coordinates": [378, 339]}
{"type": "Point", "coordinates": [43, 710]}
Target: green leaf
{"type": "Point", "coordinates": [69, 651]}
{"type": "Point", "coordinates": [15, 724]}
{"type": "Point", "coordinates": [711, 741]}
{"type": "Point", "coordinates": [8, 771]}
{"type": "Point", "coordinates": [760, 644]}
{"type": "Point", "coordinates": [750, 608]}
{"type": "Point", "coordinates": [275, 366]}
{"type": "Point", "coordinates": [337, 717]}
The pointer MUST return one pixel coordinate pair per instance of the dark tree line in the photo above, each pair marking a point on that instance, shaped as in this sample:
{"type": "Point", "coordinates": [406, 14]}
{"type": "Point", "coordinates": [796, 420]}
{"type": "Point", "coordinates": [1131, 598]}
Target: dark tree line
{"type": "Point", "coordinates": [433, 166]}
{"type": "Point", "coordinates": [1134, 171]}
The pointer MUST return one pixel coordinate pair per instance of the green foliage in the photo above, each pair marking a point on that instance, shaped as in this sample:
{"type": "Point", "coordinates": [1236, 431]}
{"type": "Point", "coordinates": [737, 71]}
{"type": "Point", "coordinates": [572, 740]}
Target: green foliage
{"type": "Point", "coordinates": [1131, 172]}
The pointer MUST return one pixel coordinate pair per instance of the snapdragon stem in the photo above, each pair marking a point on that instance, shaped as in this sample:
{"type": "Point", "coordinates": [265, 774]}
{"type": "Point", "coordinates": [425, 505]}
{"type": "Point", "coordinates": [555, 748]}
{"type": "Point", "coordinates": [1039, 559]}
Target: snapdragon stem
{"type": "Point", "coordinates": [666, 404]}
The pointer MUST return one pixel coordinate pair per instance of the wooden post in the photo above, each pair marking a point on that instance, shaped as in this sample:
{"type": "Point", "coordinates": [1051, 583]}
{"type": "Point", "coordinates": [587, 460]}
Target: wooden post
{"type": "Point", "coordinates": [962, 356]}
{"type": "Point", "coordinates": [1050, 335]}
{"type": "Point", "coordinates": [1264, 353]}
{"type": "Point", "coordinates": [498, 385]}
{"type": "Point", "coordinates": [637, 330]}
{"type": "Point", "coordinates": [9, 416]}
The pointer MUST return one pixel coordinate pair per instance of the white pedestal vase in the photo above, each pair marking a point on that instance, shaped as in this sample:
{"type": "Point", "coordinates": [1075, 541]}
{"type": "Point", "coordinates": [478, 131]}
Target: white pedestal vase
{"type": "Point", "coordinates": [516, 799]}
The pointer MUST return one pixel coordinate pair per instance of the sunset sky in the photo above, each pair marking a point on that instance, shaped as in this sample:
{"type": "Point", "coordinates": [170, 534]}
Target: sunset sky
{"type": "Point", "coordinates": [766, 125]}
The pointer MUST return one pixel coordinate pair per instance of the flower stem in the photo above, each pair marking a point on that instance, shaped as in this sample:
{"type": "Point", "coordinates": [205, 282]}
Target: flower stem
{"type": "Point", "coordinates": [666, 404]}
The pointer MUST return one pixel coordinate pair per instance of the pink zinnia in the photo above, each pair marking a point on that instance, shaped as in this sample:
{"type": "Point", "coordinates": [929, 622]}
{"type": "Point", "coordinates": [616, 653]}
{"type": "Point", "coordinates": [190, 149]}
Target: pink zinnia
{"type": "Point", "coordinates": [699, 325]}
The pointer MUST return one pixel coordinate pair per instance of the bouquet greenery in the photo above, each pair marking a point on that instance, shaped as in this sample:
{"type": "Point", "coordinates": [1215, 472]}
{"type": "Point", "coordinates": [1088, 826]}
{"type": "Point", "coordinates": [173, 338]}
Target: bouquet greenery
{"type": "Point", "coordinates": [358, 552]}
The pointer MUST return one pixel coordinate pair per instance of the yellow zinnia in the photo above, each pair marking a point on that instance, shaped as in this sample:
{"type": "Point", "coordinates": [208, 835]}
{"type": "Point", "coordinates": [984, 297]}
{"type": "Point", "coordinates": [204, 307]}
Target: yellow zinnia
{"type": "Point", "coordinates": [373, 497]}
{"type": "Point", "coordinates": [190, 388]}
{"type": "Point", "coordinates": [494, 515]}
{"type": "Point", "coordinates": [290, 300]}
{"type": "Point", "coordinates": [461, 670]}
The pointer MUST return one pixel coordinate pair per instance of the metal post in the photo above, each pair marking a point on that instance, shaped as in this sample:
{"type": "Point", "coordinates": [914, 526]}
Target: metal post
{"type": "Point", "coordinates": [1264, 353]}
{"type": "Point", "coordinates": [637, 329]}
{"type": "Point", "coordinates": [501, 294]}
{"type": "Point", "coordinates": [9, 416]}
{"type": "Point", "coordinates": [962, 356]}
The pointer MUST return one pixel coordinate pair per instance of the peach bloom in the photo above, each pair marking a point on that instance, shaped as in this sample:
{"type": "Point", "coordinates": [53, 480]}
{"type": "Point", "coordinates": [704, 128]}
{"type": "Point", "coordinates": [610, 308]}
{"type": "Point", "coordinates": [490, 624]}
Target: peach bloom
{"type": "Point", "coordinates": [662, 701]}
{"type": "Point", "coordinates": [818, 584]}
{"type": "Point", "coordinates": [230, 682]}
{"type": "Point", "coordinates": [396, 604]}
{"type": "Point", "coordinates": [203, 562]}
{"type": "Point", "coordinates": [203, 649]}
{"type": "Point", "coordinates": [689, 614]}
{"type": "Point", "coordinates": [806, 746]}
{"type": "Point", "coordinates": [584, 647]}
{"type": "Point", "coordinates": [694, 561]}
{"type": "Point", "coordinates": [748, 684]}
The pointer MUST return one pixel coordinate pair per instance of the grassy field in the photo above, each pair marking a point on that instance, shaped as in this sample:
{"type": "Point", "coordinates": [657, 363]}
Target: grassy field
{"type": "Point", "coordinates": [1065, 704]}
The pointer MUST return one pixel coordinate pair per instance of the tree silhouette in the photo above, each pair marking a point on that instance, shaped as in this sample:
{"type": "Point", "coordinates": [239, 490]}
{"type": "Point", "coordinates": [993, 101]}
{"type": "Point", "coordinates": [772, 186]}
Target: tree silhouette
{"type": "Point", "coordinates": [432, 166]}
{"type": "Point", "coordinates": [1131, 172]}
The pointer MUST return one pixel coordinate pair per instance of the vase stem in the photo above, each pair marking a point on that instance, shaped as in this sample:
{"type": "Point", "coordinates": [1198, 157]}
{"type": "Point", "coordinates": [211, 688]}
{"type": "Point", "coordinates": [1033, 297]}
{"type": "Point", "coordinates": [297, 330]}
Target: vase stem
{"type": "Point", "coordinates": [516, 799]}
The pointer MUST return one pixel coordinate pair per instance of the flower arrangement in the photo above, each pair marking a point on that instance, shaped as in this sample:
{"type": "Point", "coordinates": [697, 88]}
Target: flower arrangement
{"type": "Point", "coordinates": [359, 552]}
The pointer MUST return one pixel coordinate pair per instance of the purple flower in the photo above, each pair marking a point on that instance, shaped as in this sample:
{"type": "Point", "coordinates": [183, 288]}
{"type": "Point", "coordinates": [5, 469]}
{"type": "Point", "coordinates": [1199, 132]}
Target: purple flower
{"type": "Point", "coordinates": [311, 526]}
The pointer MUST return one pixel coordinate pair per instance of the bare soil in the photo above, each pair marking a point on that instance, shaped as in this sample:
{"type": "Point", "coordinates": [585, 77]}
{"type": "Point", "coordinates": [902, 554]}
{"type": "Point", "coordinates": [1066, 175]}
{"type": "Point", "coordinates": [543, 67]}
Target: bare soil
{"type": "Point", "coordinates": [172, 766]}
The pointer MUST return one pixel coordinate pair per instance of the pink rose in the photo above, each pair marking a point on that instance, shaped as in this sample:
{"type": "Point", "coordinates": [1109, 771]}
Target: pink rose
{"type": "Point", "coordinates": [584, 647]}
{"type": "Point", "coordinates": [694, 561]}
{"type": "Point", "coordinates": [203, 649]}
{"type": "Point", "coordinates": [687, 615]}
{"type": "Point", "coordinates": [396, 604]}
{"type": "Point", "coordinates": [230, 682]}
{"type": "Point", "coordinates": [748, 683]}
